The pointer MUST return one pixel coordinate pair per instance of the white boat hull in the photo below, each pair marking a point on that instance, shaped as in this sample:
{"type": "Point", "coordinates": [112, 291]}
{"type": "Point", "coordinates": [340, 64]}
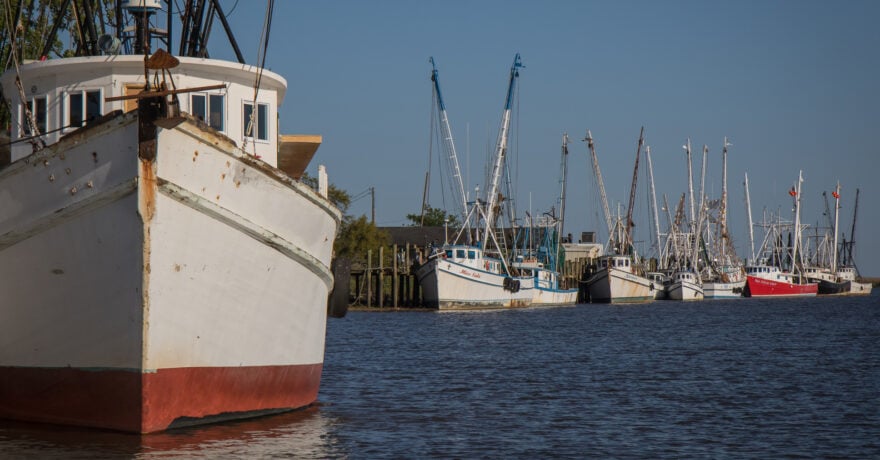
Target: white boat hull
{"type": "Point", "coordinates": [683, 290]}
{"type": "Point", "coordinates": [718, 290]}
{"type": "Point", "coordinates": [612, 285]}
{"type": "Point", "coordinates": [549, 296]}
{"type": "Point", "coordinates": [448, 285]}
{"type": "Point", "coordinates": [158, 292]}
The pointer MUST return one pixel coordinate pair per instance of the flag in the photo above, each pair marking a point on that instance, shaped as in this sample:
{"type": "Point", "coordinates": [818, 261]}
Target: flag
{"type": "Point", "coordinates": [835, 195]}
{"type": "Point", "coordinates": [792, 192]}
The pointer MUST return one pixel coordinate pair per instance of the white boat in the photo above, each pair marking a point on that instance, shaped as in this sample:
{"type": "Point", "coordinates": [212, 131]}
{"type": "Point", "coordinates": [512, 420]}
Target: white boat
{"type": "Point", "coordinates": [463, 277]}
{"type": "Point", "coordinates": [729, 284]}
{"type": "Point", "coordinates": [616, 278]}
{"type": "Point", "coordinates": [616, 281]}
{"type": "Point", "coordinates": [544, 263]}
{"type": "Point", "coordinates": [659, 282]}
{"type": "Point", "coordinates": [684, 285]}
{"type": "Point", "coordinates": [155, 272]}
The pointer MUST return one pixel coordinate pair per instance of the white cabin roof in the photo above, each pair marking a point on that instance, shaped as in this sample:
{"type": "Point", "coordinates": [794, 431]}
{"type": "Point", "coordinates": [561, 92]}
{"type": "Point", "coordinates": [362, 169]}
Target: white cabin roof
{"type": "Point", "coordinates": [50, 85]}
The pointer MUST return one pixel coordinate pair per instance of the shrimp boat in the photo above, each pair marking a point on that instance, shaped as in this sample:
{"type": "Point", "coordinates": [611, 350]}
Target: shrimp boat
{"type": "Point", "coordinates": [618, 278]}
{"type": "Point", "coordinates": [543, 263]}
{"type": "Point", "coordinates": [836, 278]}
{"type": "Point", "coordinates": [723, 277]}
{"type": "Point", "coordinates": [463, 274]}
{"type": "Point", "coordinates": [684, 285]}
{"type": "Point", "coordinates": [769, 280]}
{"type": "Point", "coordinates": [149, 278]}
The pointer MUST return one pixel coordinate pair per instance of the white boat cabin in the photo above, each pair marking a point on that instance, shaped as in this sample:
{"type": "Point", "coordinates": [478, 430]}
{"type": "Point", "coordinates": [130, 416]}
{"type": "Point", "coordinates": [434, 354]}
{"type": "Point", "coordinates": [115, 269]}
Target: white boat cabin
{"type": "Point", "coordinates": [472, 257]}
{"type": "Point", "coordinates": [846, 274]}
{"type": "Point", "coordinates": [769, 272]}
{"type": "Point", "coordinates": [684, 277]}
{"type": "Point", "coordinates": [66, 94]}
{"type": "Point", "coordinates": [623, 263]}
{"type": "Point", "coordinates": [816, 273]}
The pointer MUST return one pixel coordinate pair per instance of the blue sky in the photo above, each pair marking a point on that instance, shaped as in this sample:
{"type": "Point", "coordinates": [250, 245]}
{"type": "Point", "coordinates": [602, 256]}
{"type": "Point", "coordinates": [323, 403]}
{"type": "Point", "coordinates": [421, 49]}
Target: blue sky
{"type": "Point", "coordinates": [793, 84]}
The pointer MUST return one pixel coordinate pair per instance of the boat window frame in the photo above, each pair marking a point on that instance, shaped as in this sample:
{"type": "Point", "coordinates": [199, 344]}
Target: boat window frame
{"type": "Point", "coordinates": [32, 106]}
{"type": "Point", "coordinates": [260, 128]}
{"type": "Point", "coordinates": [67, 111]}
{"type": "Point", "coordinates": [209, 104]}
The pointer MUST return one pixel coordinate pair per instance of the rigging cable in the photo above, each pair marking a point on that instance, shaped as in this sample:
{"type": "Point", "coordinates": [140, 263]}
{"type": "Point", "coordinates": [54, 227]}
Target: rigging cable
{"type": "Point", "coordinates": [261, 58]}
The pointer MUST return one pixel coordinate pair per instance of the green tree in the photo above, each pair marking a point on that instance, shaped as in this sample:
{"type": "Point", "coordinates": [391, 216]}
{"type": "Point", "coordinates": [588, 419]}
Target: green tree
{"type": "Point", "coordinates": [25, 28]}
{"type": "Point", "coordinates": [434, 217]}
{"type": "Point", "coordinates": [357, 236]}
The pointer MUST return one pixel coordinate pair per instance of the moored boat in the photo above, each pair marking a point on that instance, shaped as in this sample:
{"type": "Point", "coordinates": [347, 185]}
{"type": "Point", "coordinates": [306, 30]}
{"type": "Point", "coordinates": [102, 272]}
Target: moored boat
{"type": "Point", "coordinates": [463, 277]}
{"type": "Point", "coordinates": [770, 281]}
{"type": "Point", "coordinates": [466, 275]}
{"type": "Point", "coordinates": [616, 281]}
{"type": "Point", "coordinates": [684, 285]}
{"type": "Point", "coordinates": [149, 279]}
{"type": "Point", "coordinates": [659, 283]}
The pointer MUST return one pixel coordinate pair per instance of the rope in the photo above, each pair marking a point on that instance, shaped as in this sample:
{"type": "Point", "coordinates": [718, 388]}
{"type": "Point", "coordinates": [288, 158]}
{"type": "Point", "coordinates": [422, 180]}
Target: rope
{"type": "Point", "coordinates": [261, 58]}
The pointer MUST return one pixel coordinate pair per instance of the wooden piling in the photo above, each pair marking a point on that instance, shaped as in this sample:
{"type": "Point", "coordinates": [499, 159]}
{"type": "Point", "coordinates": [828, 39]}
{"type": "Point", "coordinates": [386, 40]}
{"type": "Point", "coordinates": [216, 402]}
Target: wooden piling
{"type": "Point", "coordinates": [369, 278]}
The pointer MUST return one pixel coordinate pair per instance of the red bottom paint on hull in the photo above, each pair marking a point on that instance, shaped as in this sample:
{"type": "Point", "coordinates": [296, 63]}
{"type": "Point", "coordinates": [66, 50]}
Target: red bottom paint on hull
{"type": "Point", "coordinates": [760, 287]}
{"type": "Point", "coordinates": [138, 402]}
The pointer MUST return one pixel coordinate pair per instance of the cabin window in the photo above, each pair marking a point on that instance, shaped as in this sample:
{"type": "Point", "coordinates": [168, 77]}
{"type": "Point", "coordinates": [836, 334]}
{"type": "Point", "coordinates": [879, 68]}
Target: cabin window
{"type": "Point", "coordinates": [459, 253]}
{"type": "Point", "coordinates": [258, 127]}
{"type": "Point", "coordinates": [209, 108]}
{"type": "Point", "coordinates": [449, 253]}
{"type": "Point", "coordinates": [38, 107]}
{"type": "Point", "coordinates": [472, 255]}
{"type": "Point", "coordinates": [83, 107]}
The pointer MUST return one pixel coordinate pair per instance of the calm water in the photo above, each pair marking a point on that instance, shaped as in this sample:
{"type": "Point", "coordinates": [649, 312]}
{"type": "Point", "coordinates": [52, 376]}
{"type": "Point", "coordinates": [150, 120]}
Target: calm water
{"type": "Point", "coordinates": [743, 378]}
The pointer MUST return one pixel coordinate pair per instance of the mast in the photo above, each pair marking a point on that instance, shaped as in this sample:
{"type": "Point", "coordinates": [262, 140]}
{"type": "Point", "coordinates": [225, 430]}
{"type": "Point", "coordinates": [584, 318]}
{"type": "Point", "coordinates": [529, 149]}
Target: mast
{"type": "Point", "coordinates": [561, 225]}
{"type": "Point", "coordinates": [751, 224]}
{"type": "Point", "coordinates": [797, 221]}
{"type": "Point", "coordinates": [836, 196]}
{"type": "Point", "coordinates": [449, 147]}
{"type": "Point", "coordinates": [632, 191]}
{"type": "Point", "coordinates": [601, 184]}
{"type": "Point", "coordinates": [852, 232]}
{"type": "Point", "coordinates": [687, 150]}
{"type": "Point", "coordinates": [654, 200]}
{"type": "Point", "coordinates": [698, 228]}
{"type": "Point", "coordinates": [725, 237]}
{"type": "Point", "coordinates": [500, 151]}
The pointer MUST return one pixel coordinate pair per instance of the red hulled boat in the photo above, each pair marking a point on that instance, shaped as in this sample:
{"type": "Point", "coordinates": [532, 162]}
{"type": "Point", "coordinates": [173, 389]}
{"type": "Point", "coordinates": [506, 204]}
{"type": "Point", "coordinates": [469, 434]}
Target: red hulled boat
{"type": "Point", "coordinates": [767, 281]}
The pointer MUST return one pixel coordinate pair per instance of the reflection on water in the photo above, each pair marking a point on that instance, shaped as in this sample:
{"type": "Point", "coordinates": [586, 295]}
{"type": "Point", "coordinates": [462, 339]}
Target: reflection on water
{"type": "Point", "coordinates": [300, 434]}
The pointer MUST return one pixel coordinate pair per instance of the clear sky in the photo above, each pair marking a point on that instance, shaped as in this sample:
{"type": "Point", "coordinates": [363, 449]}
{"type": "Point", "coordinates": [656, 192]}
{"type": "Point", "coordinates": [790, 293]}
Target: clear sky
{"type": "Point", "coordinates": [792, 84]}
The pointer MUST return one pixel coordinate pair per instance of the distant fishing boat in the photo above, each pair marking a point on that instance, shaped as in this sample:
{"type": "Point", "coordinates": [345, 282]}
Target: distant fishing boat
{"type": "Point", "coordinates": [155, 272]}
{"type": "Point", "coordinates": [836, 279]}
{"type": "Point", "coordinates": [463, 274]}
{"type": "Point", "coordinates": [684, 286]}
{"type": "Point", "coordinates": [659, 283]}
{"type": "Point", "coordinates": [617, 278]}
{"type": "Point", "coordinates": [765, 280]}
{"type": "Point", "coordinates": [723, 276]}
{"type": "Point", "coordinates": [544, 261]}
